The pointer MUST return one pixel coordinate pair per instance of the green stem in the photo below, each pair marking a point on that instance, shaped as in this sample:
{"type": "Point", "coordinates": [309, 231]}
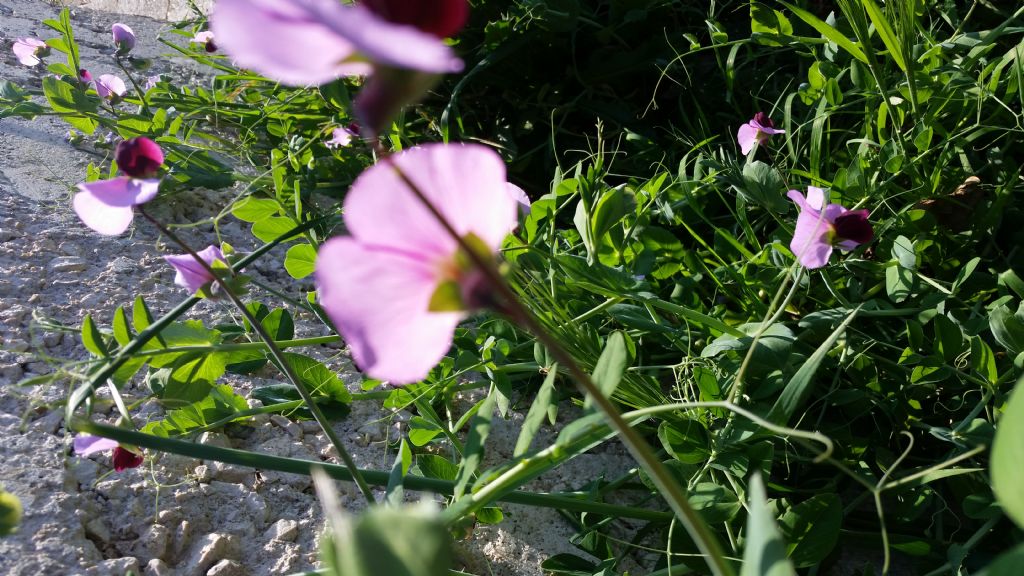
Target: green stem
{"type": "Point", "coordinates": [279, 357]}
{"type": "Point", "coordinates": [138, 89]}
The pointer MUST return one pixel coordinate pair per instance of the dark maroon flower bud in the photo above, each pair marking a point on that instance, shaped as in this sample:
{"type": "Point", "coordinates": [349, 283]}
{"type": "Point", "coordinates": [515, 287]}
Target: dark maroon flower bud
{"type": "Point", "coordinates": [763, 119]}
{"type": "Point", "coordinates": [125, 459]}
{"type": "Point", "coordinates": [854, 225]}
{"type": "Point", "coordinates": [139, 157]}
{"type": "Point", "coordinates": [442, 18]}
{"type": "Point", "coordinates": [385, 93]}
{"type": "Point", "coordinates": [84, 76]}
{"type": "Point", "coordinates": [210, 46]}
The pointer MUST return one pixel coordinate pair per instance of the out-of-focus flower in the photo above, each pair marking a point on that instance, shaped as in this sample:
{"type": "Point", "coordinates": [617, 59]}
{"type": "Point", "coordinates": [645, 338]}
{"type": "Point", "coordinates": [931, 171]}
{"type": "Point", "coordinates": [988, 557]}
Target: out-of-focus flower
{"type": "Point", "coordinates": [110, 87]}
{"type": "Point", "coordinates": [191, 275]}
{"type": "Point", "coordinates": [124, 38]}
{"type": "Point", "coordinates": [340, 137]}
{"type": "Point", "coordinates": [206, 39]}
{"type": "Point", "coordinates": [301, 42]}
{"type": "Point", "coordinates": [30, 51]}
{"type": "Point", "coordinates": [151, 82]}
{"type": "Point", "coordinates": [757, 131]}
{"type": "Point", "coordinates": [519, 195]}
{"type": "Point", "coordinates": [106, 206]}
{"type": "Point", "coordinates": [399, 285]}
{"type": "Point", "coordinates": [821, 226]}
{"type": "Point", "coordinates": [84, 76]}
{"type": "Point", "coordinates": [85, 444]}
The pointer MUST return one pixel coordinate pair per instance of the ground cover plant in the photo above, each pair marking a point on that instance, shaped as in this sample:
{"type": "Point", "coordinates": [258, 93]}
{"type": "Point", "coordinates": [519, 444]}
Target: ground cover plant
{"type": "Point", "coordinates": [771, 247]}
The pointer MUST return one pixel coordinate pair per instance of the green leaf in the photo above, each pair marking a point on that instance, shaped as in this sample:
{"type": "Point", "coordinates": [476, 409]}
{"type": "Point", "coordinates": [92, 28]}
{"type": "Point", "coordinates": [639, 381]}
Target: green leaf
{"type": "Point", "coordinates": [772, 350]}
{"type": "Point", "coordinates": [282, 393]}
{"type": "Point", "coordinates": [767, 22]}
{"type": "Point", "coordinates": [828, 31]}
{"type": "Point", "coordinates": [193, 376]}
{"type": "Point", "coordinates": [535, 417]}
{"type": "Point", "coordinates": [395, 492]}
{"type": "Point", "coordinates": [10, 513]}
{"type": "Point", "coordinates": [610, 367]}
{"type": "Point", "coordinates": [422, 431]}
{"type": "Point", "coordinates": [408, 541]}
{"type": "Point", "coordinates": [436, 466]}
{"type": "Point", "coordinates": [812, 529]}
{"type": "Point", "coordinates": [270, 228]}
{"type": "Point", "coordinates": [763, 185]}
{"type": "Point", "coordinates": [122, 333]}
{"type": "Point", "coordinates": [320, 380]}
{"type": "Point", "coordinates": [473, 451]}
{"type": "Point", "coordinates": [72, 103]}
{"type": "Point", "coordinates": [279, 325]}
{"type": "Point", "coordinates": [141, 317]}
{"type": "Point", "coordinates": [300, 260]}
{"type": "Point", "coordinates": [884, 30]}
{"type": "Point", "coordinates": [253, 209]}
{"type": "Point", "coordinates": [899, 282]}
{"type": "Point", "coordinates": [1006, 564]}
{"type": "Point", "coordinates": [686, 440]}
{"type": "Point", "coordinates": [714, 502]}
{"type": "Point", "coordinates": [1008, 456]}
{"type": "Point", "coordinates": [983, 361]}
{"type": "Point", "coordinates": [92, 339]}
{"type": "Point", "coordinates": [220, 403]}
{"type": "Point", "coordinates": [799, 388]}
{"type": "Point", "coordinates": [1008, 328]}
{"type": "Point", "coordinates": [764, 552]}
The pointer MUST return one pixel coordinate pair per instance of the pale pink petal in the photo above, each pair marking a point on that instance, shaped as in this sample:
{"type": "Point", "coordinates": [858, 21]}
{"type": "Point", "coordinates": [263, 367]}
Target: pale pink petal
{"type": "Point", "coordinates": [466, 182]}
{"type": "Point", "coordinates": [379, 300]}
{"type": "Point", "coordinates": [203, 37]}
{"type": "Point", "coordinates": [108, 85]}
{"type": "Point", "coordinates": [27, 50]}
{"type": "Point", "coordinates": [797, 197]}
{"type": "Point", "coordinates": [340, 137]}
{"type": "Point", "coordinates": [746, 136]}
{"type": "Point", "coordinates": [86, 444]}
{"type": "Point", "coordinates": [285, 40]}
{"type": "Point", "coordinates": [122, 191]}
{"type": "Point", "coordinates": [522, 200]}
{"type": "Point", "coordinates": [191, 275]}
{"type": "Point", "coordinates": [811, 243]}
{"type": "Point", "coordinates": [769, 131]}
{"type": "Point", "coordinates": [101, 217]}
{"type": "Point", "coordinates": [815, 197]}
{"type": "Point", "coordinates": [848, 245]}
{"type": "Point", "coordinates": [395, 45]}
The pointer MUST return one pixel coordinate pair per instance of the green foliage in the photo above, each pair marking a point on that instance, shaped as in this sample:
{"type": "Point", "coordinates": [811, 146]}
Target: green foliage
{"type": "Point", "coordinates": [390, 540]}
{"type": "Point", "coordinates": [10, 513]}
{"type": "Point", "coordinates": [1008, 457]}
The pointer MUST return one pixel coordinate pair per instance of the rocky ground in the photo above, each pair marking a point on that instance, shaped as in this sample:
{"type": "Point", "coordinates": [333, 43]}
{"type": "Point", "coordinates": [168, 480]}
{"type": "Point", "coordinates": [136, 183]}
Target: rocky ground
{"type": "Point", "coordinates": [174, 515]}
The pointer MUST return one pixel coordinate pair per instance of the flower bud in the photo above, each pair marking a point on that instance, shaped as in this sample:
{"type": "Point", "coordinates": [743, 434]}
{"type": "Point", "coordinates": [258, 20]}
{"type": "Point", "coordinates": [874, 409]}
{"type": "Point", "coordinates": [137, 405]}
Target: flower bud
{"type": "Point", "coordinates": [139, 157]}
{"type": "Point", "coordinates": [124, 38]}
{"type": "Point", "coordinates": [442, 18]}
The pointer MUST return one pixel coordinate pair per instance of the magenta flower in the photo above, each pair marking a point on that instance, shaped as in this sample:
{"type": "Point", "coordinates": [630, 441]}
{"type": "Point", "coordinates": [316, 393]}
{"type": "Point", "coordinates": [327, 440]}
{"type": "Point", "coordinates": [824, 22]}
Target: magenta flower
{"type": "Point", "coordinates": [84, 76]}
{"type": "Point", "coordinates": [106, 205]}
{"type": "Point", "coordinates": [818, 230]}
{"type": "Point", "coordinates": [30, 51]}
{"type": "Point", "coordinates": [205, 38]}
{"type": "Point", "coordinates": [124, 38]}
{"type": "Point", "coordinates": [340, 137]}
{"type": "Point", "coordinates": [191, 275]}
{"type": "Point", "coordinates": [110, 87]}
{"type": "Point", "coordinates": [399, 285]}
{"type": "Point", "coordinates": [86, 444]}
{"type": "Point", "coordinates": [757, 131]}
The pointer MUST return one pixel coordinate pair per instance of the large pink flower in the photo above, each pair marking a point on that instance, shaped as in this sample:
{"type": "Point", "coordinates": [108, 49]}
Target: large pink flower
{"type": "Point", "coordinates": [380, 285]}
{"type": "Point", "coordinates": [30, 51]}
{"type": "Point", "coordinates": [757, 131]}
{"type": "Point", "coordinates": [819, 229]}
{"type": "Point", "coordinates": [110, 87]}
{"type": "Point", "coordinates": [124, 38]}
{"type": "Point", "coordinates": [303, 42]}
{"type": "Point", "coordinates": [106, 206]}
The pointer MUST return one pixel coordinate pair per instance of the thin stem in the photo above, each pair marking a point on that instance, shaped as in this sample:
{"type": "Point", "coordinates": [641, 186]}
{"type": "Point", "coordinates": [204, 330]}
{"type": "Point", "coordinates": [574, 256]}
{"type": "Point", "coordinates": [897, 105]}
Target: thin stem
{"type": "Point", "coordinates": [138, 90]}
{"type": "Point", "coordinates": [279, 357]}
{"type": "Point", "coordinates": [634, 442]}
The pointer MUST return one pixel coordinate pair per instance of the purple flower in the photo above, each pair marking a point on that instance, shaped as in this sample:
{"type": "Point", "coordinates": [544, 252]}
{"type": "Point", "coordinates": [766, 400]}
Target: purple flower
{"type": "Point", "coordinates": [340, 137]}
{"type": "Point", "coordinates": [85, 444]}
{"type": "Point", "coordinates": [819, 229]}
{"type": "Point", "coordinates": [30, 51]}
{"type": "Point", "coordinates": [106, 205]}
{"type": "Point", "coordinates": [205, 38]}
{"type": "Point", "coordinates": [124, 38]}
{"type": "Point", "coordinates": [84, 77]}
{"type": "Point", "coordinates": [151, 82]}
{"type": "Point", "coordinates": [189, 274]}
{"type": "Point", "coordinates": [757, 131]}
{"type": "Point", "coordinates": [397, 287]}
{"type": "Point", "coordinates": [110, 87]}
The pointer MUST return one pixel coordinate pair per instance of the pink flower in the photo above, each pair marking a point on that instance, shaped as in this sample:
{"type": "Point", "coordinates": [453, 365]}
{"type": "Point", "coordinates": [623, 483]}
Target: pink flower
{"type": "Point", "coordinates": [205, 38]}
{"type": "Point", "coordinates": [84, 76]}
{"type": "Point", "coordinates": [30, 51]}
{"type": "Point", "coordinates": [151, 82]}
{"type": "Point", "coordinates": [819, 230]}
{"type": "Point", "coordinates": [190, 275]}
{"type": "Point", "coordinates": [520, 197]}
{"type": "Point", "coordinates": [340, 137]}
{"type": "Point", "coordinates": [110, 87]}
{"type": "Point", "coordinates": [124, 38]}
{"type": "Point", "coordinates": [399, 285]}
{"type": "Point", "coordinates": [85, 444]}
{"type": "Point", "coordinates": [106, 205]}
{"type": "Point", "coordinates": [756, 131]}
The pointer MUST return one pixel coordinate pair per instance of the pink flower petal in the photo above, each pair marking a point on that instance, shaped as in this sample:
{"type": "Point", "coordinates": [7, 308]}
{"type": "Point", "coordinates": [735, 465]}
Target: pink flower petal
{"type": "Point", "coordinates": [122, 191]}
{"type": "Point", "coordinates": [28, 50]}
{"type": "Point", "coordinates": [746, 136]}
{"type": "Point", "coordinates": [811, 243]}
{"type": "Point", "coordinates": [286, 40]}
{"type": "Point", "coordinates": [520, 197]}
{"type": "Point", "coordinates": [86, 444]}
{"type": "Point", "coordinates": [190, 274]}
{"type": "Point", "coordinates": [465, 182]}
{"type": "Point", "coordinates": [815, 197]}
{"type": "Point", "coordinates": [203, 37]}
{"type": "Point", "coordinates": [102, 218]}
{"type": "Point", "coordinates": [123, 36]}
{"type": "Point", "coordinates": [379, 300]}
{"type": "Point", "coordinates": [340, 137]}
{"type": "Point", "coordinates": [108, 86]}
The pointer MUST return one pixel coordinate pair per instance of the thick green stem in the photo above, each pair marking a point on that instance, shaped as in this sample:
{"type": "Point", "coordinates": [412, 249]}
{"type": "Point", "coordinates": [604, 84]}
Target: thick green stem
{"type": "Point", "coordinates": [279, 357]}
